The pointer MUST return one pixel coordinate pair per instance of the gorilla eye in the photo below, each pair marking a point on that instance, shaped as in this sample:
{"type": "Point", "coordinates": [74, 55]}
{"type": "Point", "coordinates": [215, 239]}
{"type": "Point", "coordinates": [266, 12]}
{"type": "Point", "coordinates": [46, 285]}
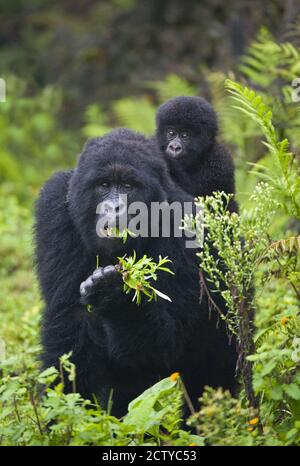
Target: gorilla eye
{"type": "Point", "coordinates": [185, 134]}
{"type": "Point", "coordinates": [105, 184]}
{"type": "Point", "coordinates": [128, 186]}
{"type": "Point", "coordinates": [171, 133]}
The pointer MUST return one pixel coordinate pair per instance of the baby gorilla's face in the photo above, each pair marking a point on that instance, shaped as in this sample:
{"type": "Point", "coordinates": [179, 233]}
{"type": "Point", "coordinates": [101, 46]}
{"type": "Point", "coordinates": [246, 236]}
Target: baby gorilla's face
{"type": "Point", "coordinates": [177, 142]}
{"type": "Point", "coordinates": [186, 128]}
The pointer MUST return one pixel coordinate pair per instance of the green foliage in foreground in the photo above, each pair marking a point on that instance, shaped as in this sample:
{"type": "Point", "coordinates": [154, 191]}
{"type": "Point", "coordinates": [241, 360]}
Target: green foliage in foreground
{"type": "Point", "coordinates": [54, 418]}
{"type": "Point", "coordinates": [138, 274]}
{"type": "Point", "coordinates": [246, 259]}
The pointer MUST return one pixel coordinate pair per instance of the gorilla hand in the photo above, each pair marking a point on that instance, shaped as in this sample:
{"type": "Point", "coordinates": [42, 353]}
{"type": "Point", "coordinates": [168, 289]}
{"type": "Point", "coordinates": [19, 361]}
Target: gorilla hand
{"type": "Point", "coordinates": [103, 278]}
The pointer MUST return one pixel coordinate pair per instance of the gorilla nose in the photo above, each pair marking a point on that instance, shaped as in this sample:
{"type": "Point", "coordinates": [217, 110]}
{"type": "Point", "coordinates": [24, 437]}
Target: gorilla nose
{"type": "Point", "coordinates": [175, 148]}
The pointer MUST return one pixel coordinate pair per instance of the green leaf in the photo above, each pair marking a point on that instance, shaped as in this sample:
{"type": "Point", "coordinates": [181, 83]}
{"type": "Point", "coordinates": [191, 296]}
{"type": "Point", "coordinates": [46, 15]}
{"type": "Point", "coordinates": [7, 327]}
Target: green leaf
{"type": "Point", "coordinates": [276, 393]}
{"type": "Point", "coordinates": [142, 413]}
{"type": "Point", "coordinates": [162, 295]}
{"type": "Point", "coordinates": [293, 390]}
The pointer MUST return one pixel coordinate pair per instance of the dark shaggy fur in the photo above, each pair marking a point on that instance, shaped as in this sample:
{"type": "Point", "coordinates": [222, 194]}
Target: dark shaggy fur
{"type": "Point", "coordinates": [119, 345]}
{"type": "Point", "coordinates": [204, 165]}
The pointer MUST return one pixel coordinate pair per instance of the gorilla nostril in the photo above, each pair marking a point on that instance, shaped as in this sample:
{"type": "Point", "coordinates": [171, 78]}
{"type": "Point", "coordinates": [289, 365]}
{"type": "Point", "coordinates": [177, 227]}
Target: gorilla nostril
{"type": "Point", "coordinates": [175, 148]}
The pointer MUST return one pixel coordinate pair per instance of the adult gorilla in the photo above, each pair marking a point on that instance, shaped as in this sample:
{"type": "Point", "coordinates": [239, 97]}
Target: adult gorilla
{"type": "Point", "coordinates": [119, 345]}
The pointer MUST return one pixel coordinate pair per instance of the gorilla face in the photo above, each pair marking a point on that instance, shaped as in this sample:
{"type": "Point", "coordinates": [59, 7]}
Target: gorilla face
{"type": "Point", "coordinates": [186, 127]}
{"type": "Point", "coordinates": [181, 143]}
{"type": "Point", "coordinates": [111, 175]}
{"type": "Point", "coordinates": [178, 142]}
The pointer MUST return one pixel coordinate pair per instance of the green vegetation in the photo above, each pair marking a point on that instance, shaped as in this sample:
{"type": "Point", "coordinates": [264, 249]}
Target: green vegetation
{"type": "Point", "coordinates": [254, 106]}
{"type": "Point", "coordinates": [137, 275]}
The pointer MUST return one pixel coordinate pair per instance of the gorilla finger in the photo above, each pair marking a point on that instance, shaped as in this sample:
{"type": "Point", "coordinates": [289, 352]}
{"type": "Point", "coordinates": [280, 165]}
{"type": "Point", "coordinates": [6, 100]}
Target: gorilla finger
{"type": "Point", "coordinates": [109, 270]}
{"type": "Point", "coordinates": [89, 282]}
{"type": "Point", "coordinates": [82, 289]}
{"type": "Point", "coordinates": [98, 274]}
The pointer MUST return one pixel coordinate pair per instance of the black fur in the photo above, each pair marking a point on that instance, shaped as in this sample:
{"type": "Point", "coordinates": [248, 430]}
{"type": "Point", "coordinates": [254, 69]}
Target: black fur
{"type": "Point", "coordinates": [119, 345]}
{"type": "Point", "coordinates": [204, 165]}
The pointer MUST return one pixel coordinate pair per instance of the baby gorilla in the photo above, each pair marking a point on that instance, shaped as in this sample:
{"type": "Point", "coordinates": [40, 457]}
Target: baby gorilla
{"type": "Point", "coordinates": [186, 134]}
{"type": "Point", "coordinates": [118, 345]}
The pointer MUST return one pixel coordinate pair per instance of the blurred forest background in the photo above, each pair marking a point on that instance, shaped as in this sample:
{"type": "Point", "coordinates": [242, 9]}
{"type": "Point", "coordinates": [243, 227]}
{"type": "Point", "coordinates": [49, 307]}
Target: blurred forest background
{"type": "Point", "coordinates": [77, 69]}
{"type": "Point", "coordinates": [74, 66]}
{"type": "Point", "coordinates": [100, 51]}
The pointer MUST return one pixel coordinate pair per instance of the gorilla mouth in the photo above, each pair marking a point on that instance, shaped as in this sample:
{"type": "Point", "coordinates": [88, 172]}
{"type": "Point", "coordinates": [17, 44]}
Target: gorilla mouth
{"type": "Point", "coordinates": [174, 155]}
{"type": "Point", "coordinates": [106, 233]}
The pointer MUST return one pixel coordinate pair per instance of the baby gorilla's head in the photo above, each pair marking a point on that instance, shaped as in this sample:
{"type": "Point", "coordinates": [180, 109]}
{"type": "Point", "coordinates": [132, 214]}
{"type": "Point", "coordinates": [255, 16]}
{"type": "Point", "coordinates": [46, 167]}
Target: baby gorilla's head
{"type": "Point", "coordinates": [186, 128]}
{"type": "Point", "coordinates": [112, 174]}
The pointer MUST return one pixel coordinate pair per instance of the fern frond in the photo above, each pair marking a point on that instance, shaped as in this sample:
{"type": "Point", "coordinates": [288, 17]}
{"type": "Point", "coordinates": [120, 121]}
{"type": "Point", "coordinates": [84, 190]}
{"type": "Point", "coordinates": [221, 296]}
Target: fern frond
{"type": "Point", "coordinates": [255, 108]}
{"type": "Point", "coordinates": [266, 60]}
